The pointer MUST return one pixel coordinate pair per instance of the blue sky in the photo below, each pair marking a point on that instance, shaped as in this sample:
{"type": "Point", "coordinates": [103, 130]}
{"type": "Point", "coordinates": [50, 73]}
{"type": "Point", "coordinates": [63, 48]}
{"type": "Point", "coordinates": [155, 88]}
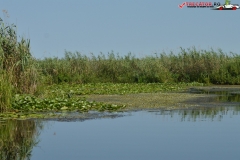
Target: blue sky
{"type": "Point", "coordinates": [142, 27]}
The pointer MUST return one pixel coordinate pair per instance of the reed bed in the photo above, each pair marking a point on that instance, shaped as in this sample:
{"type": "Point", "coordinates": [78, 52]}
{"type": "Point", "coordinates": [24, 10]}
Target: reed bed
{"type": "Point", "coordinates": [189, 65]}
{"type": "Point", "coordinates": [22, 74]}
{"type": "Point", "coordinates": [17, 67]}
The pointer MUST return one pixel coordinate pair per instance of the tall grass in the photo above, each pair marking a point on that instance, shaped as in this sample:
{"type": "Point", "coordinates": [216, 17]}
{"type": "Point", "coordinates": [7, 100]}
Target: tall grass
{"type": "Point", "coordinates": [17, 68]}
{"type": "Point", "coordinates": [77, 68]}
{"type": "Point", "coordinates": [187, 66]}
{"type": "Point", "coordinates": [21, 73]}
{"type": "Point", "coordinates": [203, 66]}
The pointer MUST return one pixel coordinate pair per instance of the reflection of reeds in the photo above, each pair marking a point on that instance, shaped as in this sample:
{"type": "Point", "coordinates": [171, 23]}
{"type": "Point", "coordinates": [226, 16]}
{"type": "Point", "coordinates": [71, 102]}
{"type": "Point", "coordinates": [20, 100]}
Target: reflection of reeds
{"type": "Point", "coordinates": [203, 113]}
{"type": "Point", "coordinates": [17, 138]}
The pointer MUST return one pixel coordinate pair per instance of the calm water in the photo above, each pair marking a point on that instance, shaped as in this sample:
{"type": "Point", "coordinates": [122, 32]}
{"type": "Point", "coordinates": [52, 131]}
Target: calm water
{"type": "Point", "coordinates": [206, 133]}
{"type": "Point", "coordinates": [144, 135]}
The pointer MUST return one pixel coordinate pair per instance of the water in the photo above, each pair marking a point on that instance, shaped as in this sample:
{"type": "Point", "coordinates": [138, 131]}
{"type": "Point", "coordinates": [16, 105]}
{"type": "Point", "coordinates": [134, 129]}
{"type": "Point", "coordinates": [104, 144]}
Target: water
{"type": "Point", "coordinates": [205, 133]}
{"type": "Point", "coordinates": [145, 135]}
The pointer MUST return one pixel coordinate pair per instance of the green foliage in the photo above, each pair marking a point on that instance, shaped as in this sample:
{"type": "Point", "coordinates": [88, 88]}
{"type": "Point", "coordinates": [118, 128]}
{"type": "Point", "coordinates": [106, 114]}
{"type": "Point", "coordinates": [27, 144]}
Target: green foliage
{"type": "Point", "coordinates": [189, 65]}
{"type": "Point", "coordinates": [6, 90]}
{"type": "Point", "coordinates": [62, 90]}
{"type": "Point", "coordinates": [68, 97]}
{"type": "Point", "coordinates": [17, 67]}
{"type": "Point", "coordinates": [76, 68]}
{"type": "Point", "coordinates": [26, 103]}
{"type": "Point", "coordinates": [22, 74]}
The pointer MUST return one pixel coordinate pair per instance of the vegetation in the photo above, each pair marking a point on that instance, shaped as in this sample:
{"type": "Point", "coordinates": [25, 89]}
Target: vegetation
{"type": "Point", "coordinates": [187, 66]}
{"type": "Point", "coordinates": [65, 97]}
{"type": "Point", "coordinates": [28, 84]}
{"type": "Point", "coordinates": [18, 72]}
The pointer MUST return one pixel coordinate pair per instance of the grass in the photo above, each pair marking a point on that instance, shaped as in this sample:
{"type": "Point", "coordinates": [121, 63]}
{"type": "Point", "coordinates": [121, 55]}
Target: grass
{"type": "Point", "coordinates": [17, 68]}
{"type": "Point", "coordinates": [191, 65]}
{"type": "Point", "coordinates": [56, 84]}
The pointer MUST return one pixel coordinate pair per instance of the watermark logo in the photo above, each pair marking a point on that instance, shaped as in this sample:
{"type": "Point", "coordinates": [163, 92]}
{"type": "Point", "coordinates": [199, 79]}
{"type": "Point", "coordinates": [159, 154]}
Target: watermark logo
{"type": "Point", "coordinates": [196, 4]}
{"type": "Point", "coordinates": [212, 5]}
{"type": "Point", "coordinates": [182, 5]}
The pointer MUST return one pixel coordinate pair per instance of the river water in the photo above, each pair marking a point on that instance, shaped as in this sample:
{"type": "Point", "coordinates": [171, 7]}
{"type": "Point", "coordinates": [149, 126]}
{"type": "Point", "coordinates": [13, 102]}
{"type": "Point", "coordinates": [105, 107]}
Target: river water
{"type": "Point", "coordinates": [145, 135]}
{"type": "Point", "coordinates": [206, 133]}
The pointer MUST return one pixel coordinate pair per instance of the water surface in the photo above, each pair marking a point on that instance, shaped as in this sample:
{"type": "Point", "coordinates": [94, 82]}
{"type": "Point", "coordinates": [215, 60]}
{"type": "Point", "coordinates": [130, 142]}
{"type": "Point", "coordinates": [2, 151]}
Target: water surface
{"type": "Point", "coordinates": [210, 131]}
{"type": "Point", "coordinates": [180, 134]}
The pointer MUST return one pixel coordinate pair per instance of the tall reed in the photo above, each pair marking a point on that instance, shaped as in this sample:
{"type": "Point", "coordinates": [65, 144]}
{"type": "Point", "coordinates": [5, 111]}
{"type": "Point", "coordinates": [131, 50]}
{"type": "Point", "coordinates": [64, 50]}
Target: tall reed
{"type": "Point", "coordinates": [17, 68]}
{"type": "Point", "coordinates": [189, 65]}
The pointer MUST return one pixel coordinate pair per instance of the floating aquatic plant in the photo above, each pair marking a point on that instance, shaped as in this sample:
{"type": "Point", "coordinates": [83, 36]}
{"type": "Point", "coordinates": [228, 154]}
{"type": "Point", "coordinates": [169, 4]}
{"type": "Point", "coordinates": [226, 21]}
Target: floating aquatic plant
{"type": "Point", "coordinates": [26, 103]}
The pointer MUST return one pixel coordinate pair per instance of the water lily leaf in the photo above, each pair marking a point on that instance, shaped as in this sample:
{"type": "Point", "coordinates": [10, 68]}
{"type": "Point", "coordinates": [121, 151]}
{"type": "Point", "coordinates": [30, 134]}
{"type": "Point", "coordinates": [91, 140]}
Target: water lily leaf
{"type": "Point", "coordinates": [64, 108]}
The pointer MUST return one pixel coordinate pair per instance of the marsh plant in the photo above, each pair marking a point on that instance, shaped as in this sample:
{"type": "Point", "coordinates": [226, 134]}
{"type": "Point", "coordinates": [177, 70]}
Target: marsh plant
{"type": "Point", "coordinates": [78, 68]}
{"type": "Point", "coordinates": [189, 65]}
{"type": "Point", "coordinates": [17, 67]}
{"type": "Point", "coordinates": [22, 76]}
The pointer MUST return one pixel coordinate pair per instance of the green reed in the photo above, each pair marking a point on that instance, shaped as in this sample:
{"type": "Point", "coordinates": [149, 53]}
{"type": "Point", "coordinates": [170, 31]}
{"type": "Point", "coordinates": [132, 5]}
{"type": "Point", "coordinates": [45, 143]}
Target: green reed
{"type": "Point", "coordinates": [17, 68]}
{"type": "Point", "coordinates": [189, 65]}
{"type": "Point", "coordinates": [21, 74]}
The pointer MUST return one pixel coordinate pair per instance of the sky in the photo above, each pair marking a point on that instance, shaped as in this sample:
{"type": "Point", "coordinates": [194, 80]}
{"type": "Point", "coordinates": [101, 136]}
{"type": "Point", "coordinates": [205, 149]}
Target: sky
{"type": "Point", "coordinates": [142, 27]}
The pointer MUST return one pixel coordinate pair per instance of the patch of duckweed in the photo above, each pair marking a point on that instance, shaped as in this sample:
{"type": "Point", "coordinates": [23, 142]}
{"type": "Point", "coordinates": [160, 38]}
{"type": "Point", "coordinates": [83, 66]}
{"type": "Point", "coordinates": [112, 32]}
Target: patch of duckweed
{"type": "Point", "coordinates": [169, 101]}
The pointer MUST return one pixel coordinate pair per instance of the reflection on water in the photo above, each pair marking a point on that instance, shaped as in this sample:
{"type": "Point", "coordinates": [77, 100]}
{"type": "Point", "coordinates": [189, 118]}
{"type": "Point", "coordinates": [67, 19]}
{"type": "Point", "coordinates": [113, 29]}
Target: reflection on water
{"type": "Point", "coordinates": [142, 135]}
{"type": "Point", "coordinates": [224, 95]}
{"type": "Point", "coordinates": [210, 131]}
{"type": "Point", "coordinates": [134, 135]}
{"type": "Point", "coordinates": [229, 96]}
{"type": "Point", "coordinates": [17, 138]}
{"type": "Point", "coordinates": [212, 113]}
